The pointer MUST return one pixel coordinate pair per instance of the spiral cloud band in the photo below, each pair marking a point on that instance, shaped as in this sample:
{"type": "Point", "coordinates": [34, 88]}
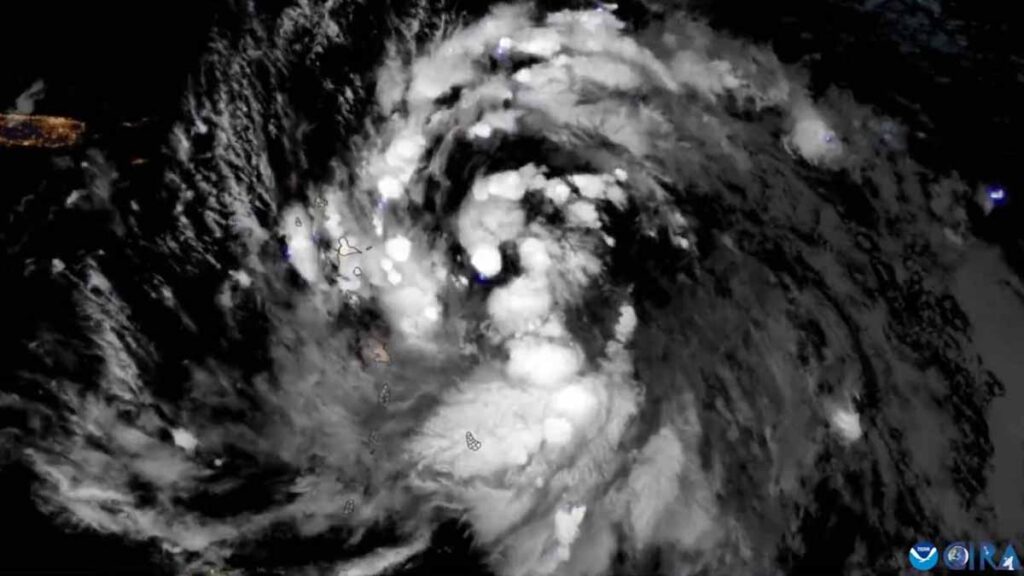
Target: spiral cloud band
{"type": "Point", "coordinates": [468, 324]}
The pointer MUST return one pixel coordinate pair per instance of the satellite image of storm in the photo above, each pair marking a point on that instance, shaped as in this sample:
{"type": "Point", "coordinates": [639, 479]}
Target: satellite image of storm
{"type": "Point", "coordinates": [519, 288]}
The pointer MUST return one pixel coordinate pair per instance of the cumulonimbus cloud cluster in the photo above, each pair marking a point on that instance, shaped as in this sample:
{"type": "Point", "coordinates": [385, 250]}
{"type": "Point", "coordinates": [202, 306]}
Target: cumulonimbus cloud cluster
{"type": "Point", "coordinates": [516, 156]}
{"type": "Point", "coordinates": [551, 419]}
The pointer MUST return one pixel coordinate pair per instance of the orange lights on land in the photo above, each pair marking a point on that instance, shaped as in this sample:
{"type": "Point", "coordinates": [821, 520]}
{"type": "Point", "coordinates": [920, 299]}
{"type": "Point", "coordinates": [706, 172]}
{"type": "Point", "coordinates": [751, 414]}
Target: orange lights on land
{"type": "Point", "coordinates": [18, 130]}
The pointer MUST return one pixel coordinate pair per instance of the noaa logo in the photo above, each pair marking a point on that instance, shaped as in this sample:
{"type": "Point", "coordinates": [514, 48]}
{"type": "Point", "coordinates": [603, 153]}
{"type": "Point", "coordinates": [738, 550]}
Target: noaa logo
{"type": "Point", "coordinates": [957, 556]}
{"type": "Point", "coordinates": [923, 556]}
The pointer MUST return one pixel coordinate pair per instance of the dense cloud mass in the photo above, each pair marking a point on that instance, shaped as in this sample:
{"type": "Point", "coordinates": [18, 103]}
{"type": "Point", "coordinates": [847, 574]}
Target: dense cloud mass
{"type": "Point", "coordinates": [615, 298]}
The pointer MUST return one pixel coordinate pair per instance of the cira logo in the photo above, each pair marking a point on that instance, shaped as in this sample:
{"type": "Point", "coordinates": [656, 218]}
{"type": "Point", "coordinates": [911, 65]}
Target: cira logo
{"type": "Point", "coordinates": [965, 556]}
